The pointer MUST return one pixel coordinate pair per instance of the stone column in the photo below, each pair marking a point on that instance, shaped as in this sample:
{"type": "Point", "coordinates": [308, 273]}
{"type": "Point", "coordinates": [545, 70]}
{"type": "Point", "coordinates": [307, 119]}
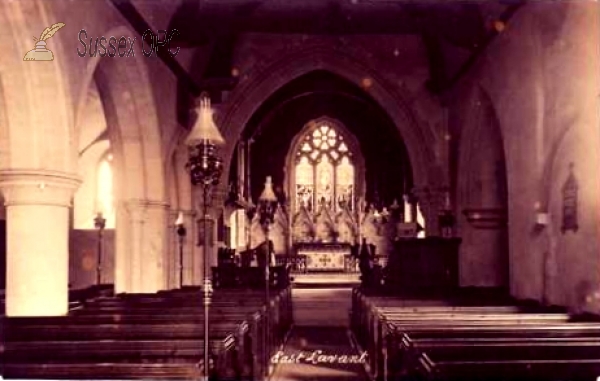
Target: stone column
{"type": "Point", "coordinates": [37, 264]}
{"type": "Point", "coordinates": [483, 259]}
{"type": "Point", "coordinates": [148, 245]}
{"type": "Point", "coordinates": [137, 216]}
{"type": "Point", "coordinates": [154, 247]}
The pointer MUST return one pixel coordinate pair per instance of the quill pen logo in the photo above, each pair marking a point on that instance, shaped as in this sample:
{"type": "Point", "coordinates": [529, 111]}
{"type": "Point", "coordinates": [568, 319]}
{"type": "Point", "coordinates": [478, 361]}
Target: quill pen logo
{"type": "Point", "coordinates": [41, 53]}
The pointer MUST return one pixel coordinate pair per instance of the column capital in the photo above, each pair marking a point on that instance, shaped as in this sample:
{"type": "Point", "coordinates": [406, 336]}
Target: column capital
{"type": "Point", "coordinates": [189, 213]}
{"type": "Point", "coordinates": [136, 209]}
{"type": "Point", "coordinates": [38, 187]}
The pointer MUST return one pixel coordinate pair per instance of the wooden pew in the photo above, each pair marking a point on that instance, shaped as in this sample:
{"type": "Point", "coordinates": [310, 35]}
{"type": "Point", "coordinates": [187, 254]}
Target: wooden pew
{"type": "Point", "coordinates": [135, 323]}
{"type": "Point", "coordinates": [279, 318]}
{"type": "Point", "coordinates": [363, 306]}
{"type": "Point", "coordinates": [104, 371]}
{"type": "Point", "coordinates": [498, 349]}
{"type": "Point", "coordinates": [281, 312]}
{"type": "Point", "coordinates": [441, 341]}
{"type": "Point", "coordinates": [129, 341]}
{"type": "Point", "coordinates": [400, 352]}
{"type": "Point", "coordinates": [401, 322]}
{"type": "Point", "coordinates": [373, 316]}
{"type": "Point", "coordinates": [191, 322]}
{"type": "Point", "coordinates": [572, 369]}
{"type": "Point", "coordinates": [370, 312]}
{"type": "Point", "coordinates": [272, 321]}
{"type": "Point", "coordinates": [372, 319]}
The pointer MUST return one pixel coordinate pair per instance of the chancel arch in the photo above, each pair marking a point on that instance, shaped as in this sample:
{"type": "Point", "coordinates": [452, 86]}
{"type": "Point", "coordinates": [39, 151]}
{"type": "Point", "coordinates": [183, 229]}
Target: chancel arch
{"type": "Point", "coordinates": [262, 83]}
{"type": "Point", "coordinates": [333, 154]}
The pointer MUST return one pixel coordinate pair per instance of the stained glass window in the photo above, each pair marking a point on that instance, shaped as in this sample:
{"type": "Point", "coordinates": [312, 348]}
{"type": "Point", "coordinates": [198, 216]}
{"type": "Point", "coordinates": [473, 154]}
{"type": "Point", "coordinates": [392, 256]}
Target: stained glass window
{"type": "Point", "coordinates": [324, 171]}
{"type": "Point", "coordinates": [304, 184]}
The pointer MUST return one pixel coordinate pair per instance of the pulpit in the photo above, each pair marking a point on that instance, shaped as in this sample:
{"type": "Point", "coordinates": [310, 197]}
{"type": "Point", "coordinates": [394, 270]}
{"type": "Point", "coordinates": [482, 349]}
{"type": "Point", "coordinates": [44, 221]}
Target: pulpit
{"type": "Point", "coordinates": [324, 256]}
{"type": "Point", "coordinates": [428, 265]}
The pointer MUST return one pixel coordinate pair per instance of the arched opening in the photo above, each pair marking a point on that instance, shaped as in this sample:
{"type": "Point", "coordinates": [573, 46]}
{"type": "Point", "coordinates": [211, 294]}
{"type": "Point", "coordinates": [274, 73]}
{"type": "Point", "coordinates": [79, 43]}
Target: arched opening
{"type": "Point", "coordinates": [272, 129]}
{"type": "Point", "coordinates": [130, 130]}
{"type": "Point", "coordinates": [332, 153]}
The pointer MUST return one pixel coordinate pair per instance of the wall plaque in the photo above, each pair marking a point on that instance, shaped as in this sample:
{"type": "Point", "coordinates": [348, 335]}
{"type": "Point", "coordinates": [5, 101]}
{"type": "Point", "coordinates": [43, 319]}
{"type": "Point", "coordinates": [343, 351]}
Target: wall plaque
{"type": "Point", "coordinates": [569, 193]}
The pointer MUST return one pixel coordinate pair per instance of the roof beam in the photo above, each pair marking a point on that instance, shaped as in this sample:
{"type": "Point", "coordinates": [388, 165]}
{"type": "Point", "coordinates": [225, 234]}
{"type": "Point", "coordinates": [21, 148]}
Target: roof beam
{"type": "Point", "coordinates": [140, 25]}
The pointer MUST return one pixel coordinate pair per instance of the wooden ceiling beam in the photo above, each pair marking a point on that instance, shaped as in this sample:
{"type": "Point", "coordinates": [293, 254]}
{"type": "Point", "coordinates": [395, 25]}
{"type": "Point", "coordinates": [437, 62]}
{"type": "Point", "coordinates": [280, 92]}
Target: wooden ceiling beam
{"type": "Point", "coordinates": [140, 25]}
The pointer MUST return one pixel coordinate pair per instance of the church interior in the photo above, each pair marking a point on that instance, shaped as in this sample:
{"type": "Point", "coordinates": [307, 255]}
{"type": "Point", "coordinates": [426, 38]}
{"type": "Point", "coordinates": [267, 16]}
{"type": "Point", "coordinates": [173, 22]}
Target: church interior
{"type": "Point", "coordinates": [378, 190]}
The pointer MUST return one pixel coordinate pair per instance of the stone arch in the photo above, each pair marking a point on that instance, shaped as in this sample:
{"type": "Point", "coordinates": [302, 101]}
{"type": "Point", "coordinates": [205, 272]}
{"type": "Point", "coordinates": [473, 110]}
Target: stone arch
{"type": "Point", "coordinates": [140, 187]}
{"type": "Point", "coordinates": [482, 123]}
{"type": "Point", "coordinates": [176, 154]}
{"type": "Point", "coordinates": [354, 146]}
{"type": "Point", "coordinates": [32, 111]}
{"type": "Point", "coordinates": [4, 130]}
{"type": "Point", "coordinates": [482, 197]}
{"type": "Point", "coordinates": [38, 152]}
{"type": "Point", "coordinates": [129, 103]}
{"type": "Point", "coordinates": [248, 97]}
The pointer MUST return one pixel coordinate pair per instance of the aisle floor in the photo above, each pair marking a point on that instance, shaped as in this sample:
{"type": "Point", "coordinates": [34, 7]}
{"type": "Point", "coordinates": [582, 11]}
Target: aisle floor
{"type": "Point", "coordinates": [320, 345]}
{"type": "Point", "coordinates": [315, 353]}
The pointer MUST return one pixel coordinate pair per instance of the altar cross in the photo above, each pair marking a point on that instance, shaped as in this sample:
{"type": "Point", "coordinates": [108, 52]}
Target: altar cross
{"type": "Point", "coordinates": [324, 260]}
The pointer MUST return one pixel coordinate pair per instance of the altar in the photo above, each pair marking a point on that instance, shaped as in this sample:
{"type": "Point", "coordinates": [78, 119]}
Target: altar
{"type": "Point", "coordinates": [324, 256]}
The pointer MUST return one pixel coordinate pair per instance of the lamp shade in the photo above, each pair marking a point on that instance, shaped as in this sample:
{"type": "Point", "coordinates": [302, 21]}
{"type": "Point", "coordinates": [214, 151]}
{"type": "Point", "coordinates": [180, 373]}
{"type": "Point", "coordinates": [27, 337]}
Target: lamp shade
{"type": "Point", "coordinates": [268, 194]}
{"type": "Point", "coordinates": [205, 128]}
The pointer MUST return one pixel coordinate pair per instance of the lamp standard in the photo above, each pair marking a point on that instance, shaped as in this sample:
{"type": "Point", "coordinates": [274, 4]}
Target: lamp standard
{"type": "Point", "coordinates": [205, 169]}
{"type": "Point", "coordinates": [181, 232]}
{"type": "Point", "coordinates": [100, 224]}
{"type": "Point", "coordinates": [267, 204]}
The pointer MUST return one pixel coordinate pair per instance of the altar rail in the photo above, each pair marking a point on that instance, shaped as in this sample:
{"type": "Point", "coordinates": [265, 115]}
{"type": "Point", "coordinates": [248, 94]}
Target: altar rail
{"type": "Point", "coordinates": [297, 263]}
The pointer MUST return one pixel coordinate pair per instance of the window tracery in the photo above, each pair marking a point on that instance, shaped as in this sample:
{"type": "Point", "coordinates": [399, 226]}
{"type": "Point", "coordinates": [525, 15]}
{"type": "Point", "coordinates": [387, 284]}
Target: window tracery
{"type": "Point", "coordinates": [324, 173]}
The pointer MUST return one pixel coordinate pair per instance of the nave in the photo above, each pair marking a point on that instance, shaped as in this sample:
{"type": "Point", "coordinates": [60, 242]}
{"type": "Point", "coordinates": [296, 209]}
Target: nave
{"type": "Point", "coordinates": [433, 146]}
